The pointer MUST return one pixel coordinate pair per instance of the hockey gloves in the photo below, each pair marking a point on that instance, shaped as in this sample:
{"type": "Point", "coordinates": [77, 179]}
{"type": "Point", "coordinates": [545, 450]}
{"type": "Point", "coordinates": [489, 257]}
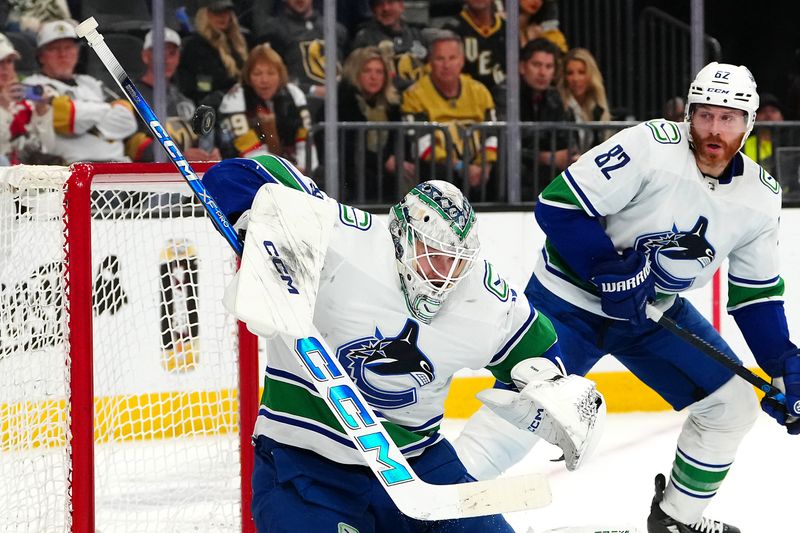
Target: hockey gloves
{"type": "Point", "coordinates": [626, 286]}
{"type": "Point", "coordinates": [787, 414]}
{"type": "Point", "coordinates": [566, 411]}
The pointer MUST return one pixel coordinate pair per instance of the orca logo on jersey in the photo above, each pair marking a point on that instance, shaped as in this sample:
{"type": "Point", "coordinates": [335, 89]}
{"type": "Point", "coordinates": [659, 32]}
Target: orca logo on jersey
{"type": "Point", "coordinates": [678, 257]}
{"type": "Point", "coordinates": [387, 356]}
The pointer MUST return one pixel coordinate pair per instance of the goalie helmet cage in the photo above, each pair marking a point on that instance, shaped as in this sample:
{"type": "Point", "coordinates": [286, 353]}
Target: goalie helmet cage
{"type": "Point", "coordinates": [126, 392]}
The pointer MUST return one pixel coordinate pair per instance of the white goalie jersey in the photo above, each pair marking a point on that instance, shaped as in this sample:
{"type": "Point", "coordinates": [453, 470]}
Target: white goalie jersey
{"type": "Point", "coordinates": [645, 186]}
{"type": "Point", "coordinates": [402, 366]}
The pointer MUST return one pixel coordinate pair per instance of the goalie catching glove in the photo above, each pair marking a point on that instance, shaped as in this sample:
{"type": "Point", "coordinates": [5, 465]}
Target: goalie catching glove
{"type": "Point", "coordinates": [566, 411]}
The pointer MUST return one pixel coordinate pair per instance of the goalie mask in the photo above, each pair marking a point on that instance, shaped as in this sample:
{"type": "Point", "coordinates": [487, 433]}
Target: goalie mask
{"type": "Point", "coordinates": [435, 242]}
{"type": "Point", "coordinates": [725, 85]}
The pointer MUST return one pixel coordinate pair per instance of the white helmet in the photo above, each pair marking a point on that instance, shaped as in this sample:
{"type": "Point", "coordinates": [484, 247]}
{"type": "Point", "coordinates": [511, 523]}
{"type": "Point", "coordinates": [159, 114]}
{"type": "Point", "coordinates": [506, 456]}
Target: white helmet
{"type": "Point", "coordinates": [434, 230]}
{"type": "Point", "coordinates": [725, 85]}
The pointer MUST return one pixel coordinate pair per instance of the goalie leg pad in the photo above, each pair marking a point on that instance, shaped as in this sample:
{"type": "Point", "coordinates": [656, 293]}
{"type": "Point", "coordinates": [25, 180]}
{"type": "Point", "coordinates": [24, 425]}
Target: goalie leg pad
{"type": "Point", "coordinates": [489, 445]}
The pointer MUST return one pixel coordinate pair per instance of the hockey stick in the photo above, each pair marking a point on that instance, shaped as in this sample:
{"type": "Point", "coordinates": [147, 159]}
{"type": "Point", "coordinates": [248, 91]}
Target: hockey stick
{"type": "Point", "coordinates": [413, 496]}
{"type": "Point", "coordinates": [88, 30]}
{"type": "Point", "coordinates": [713, 352]}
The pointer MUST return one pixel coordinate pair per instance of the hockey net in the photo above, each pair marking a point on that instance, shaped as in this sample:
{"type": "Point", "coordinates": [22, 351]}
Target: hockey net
{"type": "Point", "coordinates": [119, 369]}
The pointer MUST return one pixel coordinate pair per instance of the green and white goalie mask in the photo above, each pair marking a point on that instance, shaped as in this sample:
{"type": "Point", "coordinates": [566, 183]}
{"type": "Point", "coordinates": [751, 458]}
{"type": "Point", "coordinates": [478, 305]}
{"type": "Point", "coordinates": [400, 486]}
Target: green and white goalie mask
{"type": "Point", "coordinates": [436, 243]}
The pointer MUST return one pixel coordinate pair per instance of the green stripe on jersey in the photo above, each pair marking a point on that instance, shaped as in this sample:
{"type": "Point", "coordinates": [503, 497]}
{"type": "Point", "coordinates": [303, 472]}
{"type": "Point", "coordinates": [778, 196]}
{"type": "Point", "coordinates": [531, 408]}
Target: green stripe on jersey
{"type": "Point", "coordinates": [541, 335]}
{"type": "Point", "coordinates": [276, 169]}
{"type": "Point", "coordinates": [295, 400]}
{"type": "Point", "coordinates": [559, 191]}
{"type": "Point", "coordinates": [738, 295]}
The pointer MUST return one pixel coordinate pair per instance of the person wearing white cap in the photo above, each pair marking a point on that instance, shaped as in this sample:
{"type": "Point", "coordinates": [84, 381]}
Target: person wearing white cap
{"type": "Point", "coordinates": [29, 15]}
{"type": "Point", "coordinates": [90, 121]}
{"type": "Point", "coordinates": [26, 117]}
{"type": "Point", "coordinates": [180, 108]}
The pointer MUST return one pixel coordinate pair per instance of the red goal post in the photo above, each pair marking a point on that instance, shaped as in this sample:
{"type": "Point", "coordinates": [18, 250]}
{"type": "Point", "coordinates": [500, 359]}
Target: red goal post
{"type": "Point", "coordinates": [127, 394]}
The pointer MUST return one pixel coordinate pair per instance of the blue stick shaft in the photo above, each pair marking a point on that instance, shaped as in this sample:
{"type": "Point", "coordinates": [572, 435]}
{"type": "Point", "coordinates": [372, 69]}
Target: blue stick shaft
{"type": "Point", "coordinates": [744, 373]}
{"type": "Point", "coordinates": [160, 133]}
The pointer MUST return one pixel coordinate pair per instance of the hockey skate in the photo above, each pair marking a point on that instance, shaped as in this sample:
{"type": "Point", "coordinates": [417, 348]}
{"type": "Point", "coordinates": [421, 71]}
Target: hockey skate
{"type": "Point", "coordinates": [661, 522]}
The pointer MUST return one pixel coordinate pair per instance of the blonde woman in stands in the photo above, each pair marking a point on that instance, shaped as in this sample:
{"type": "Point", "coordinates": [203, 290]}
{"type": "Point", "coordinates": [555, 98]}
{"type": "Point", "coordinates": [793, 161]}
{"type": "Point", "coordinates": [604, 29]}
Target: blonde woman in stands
{"type": "Point", "coordinates": [367, 94]}
{"type": "Point", "coordinates": [212, 58]}
{"type": "Point", "coordinates": [583, 92]}
{"type": "Point", "coordinates": [266, 113]}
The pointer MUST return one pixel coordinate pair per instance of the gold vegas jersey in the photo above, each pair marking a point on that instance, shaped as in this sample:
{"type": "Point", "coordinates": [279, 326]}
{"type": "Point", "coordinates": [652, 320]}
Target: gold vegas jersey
{"type": "Point", "coordinates": [423, 102]}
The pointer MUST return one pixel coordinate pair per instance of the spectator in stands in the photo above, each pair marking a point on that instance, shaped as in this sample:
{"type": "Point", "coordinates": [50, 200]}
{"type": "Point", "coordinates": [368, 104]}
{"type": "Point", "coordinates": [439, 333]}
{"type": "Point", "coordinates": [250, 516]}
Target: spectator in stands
{"type": "Point", "coordinates": [212, 58]}
{"type": "Point", "coordinates": [483, 31]}
{"type": "Point", "coordinates": [26, 117]}
{"type": "Point", "coordinates": [397, 39]}
{"type": "Point", "coordinates": [760, 147]}
{"type": "Point", "coordinates": [539, 18]}
{"type": "Point", "coordinates": [366, 94]}
{"type": "Point", "coordinates": [540, 102]}
{"type": "Point", "coordinates": [448, 96]}
{"type": "Point", "coordinates": [90, 121]}
{"type": "Point", "coordinates": [27, 16]}
{"type": "Point", "coordinates": [265, 113]}
{"type": "Point", "coordinates": [298, 36]}
{"type": "Point", "coordinates": [584, 93]}
{"type": "Point", "coordinates": [675, 109]}
{"type": "Point", "coordinates": [180, 109]}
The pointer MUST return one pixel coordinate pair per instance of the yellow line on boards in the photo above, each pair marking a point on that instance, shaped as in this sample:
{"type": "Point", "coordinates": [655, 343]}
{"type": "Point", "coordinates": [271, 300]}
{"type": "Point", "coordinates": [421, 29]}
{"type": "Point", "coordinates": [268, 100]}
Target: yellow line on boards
{"type": "Point", "coordinates": [33, 424]}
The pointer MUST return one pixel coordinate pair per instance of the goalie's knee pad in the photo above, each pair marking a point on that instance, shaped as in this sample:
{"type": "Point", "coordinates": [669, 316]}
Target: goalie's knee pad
{"type": "Point", "coordinates": [489, 445]}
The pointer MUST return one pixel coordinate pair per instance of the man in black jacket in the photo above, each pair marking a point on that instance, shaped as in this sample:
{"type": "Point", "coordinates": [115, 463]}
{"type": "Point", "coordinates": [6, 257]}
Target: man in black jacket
{"type": "Point", "coordinates": [298, 36]}
{"type": "Point", "coordinates": [545, 152]}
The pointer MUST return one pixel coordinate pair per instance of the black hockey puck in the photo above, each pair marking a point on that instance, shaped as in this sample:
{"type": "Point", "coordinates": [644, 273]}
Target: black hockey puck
{"type": "Point", "coordinates": [203, 120]}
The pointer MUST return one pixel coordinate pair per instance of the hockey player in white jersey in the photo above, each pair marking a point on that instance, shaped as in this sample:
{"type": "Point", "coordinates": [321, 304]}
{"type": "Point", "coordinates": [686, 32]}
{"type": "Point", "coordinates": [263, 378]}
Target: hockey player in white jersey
{"type": "Point", "coordinates": [403, 307]}
{"type": "Point", "coordinates": [650, 213]}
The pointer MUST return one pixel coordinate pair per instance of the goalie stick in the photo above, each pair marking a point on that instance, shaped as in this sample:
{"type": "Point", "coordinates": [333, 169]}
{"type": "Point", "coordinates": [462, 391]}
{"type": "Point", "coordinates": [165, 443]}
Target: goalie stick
{"type": "Point", "coordinates": [774, 394]}
{"type": "Point", "coordinates": [413, 496]}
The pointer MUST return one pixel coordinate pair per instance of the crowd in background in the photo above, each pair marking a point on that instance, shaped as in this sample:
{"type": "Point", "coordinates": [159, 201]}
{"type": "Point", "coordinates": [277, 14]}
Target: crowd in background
{"type": "Point", "coordinates": [260, 65]}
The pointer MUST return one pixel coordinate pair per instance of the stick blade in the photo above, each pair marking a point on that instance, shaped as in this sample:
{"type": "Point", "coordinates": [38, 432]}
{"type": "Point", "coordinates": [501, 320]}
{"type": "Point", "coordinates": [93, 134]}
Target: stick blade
{"type": "Point", "coordinates": [479, 498]}
{"type": "Point", "coordinates": [507, 495]}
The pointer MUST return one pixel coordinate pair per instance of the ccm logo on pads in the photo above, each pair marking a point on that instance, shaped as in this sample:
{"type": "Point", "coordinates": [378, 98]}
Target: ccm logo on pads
{"type": "Point", "coordinates": [280, 267]}
{"type": "Point", "coordinates": [627, 284]}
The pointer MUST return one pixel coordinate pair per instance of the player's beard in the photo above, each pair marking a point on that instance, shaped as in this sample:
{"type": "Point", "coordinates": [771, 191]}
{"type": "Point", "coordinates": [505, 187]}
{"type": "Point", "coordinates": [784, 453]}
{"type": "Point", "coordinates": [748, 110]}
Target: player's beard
{"type": "Point", "coordinates": [712, 150]}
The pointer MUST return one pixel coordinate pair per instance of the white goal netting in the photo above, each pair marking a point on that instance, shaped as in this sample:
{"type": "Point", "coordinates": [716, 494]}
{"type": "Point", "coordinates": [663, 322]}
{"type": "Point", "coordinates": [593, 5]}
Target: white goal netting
{"type": "Point", "coordinates": [165, 354]}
